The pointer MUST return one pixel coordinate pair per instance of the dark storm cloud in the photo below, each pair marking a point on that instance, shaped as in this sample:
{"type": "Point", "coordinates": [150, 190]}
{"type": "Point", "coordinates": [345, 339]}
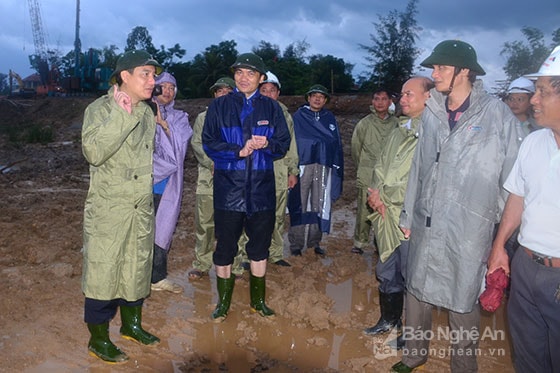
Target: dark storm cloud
{"type": "Point", "coordinates": [336, 27]}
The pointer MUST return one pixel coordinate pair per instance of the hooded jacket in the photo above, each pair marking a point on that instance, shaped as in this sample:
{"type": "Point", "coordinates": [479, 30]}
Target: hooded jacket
{"type": "Point", "coordinates": [244, 184]}
{"type": "Point", "coordinates": [118, 213]}
{"type": "Point", "coordinates": [454, 198]}
{"type": "Point", "coordinates": [169, 156]}
{"type": "Point", "coordinates": [318, 142]}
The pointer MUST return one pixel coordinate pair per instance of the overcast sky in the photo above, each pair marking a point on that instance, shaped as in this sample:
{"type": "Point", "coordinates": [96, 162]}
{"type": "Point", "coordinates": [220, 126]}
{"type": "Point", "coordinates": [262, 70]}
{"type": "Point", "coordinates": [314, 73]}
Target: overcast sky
{"type": "Point", "coordinates": [333, 27]}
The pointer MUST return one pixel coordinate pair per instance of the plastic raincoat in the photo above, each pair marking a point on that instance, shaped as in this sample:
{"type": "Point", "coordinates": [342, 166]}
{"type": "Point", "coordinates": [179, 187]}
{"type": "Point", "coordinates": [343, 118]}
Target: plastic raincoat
{"type": "Point", "coordinates": [169, 156]}
{"type": "Point", "coordinates": [119, 213]}
{"type": "Point", "coordinates": [390, 178]}
{"type": "Point", "coordinates": [454, 198]}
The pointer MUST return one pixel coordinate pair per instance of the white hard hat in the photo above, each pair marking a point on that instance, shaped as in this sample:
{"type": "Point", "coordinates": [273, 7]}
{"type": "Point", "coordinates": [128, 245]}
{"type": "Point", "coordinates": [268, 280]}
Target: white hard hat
{"type": "Point", "coordinates": [550, 66]}
{"type": "Point", "coordinates": [521, 85]}
{"type": "Point", "coordinates": [271, 78]}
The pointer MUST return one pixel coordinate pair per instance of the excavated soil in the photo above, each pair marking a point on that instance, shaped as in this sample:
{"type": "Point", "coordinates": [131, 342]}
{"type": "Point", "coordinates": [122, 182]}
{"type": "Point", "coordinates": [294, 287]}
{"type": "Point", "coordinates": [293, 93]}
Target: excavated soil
{"type": "Point", "coordinates": [322, 305]}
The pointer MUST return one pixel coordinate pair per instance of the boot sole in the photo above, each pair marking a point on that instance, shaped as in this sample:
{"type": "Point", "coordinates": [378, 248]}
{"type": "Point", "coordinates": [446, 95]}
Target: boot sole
{"type": "Point", "coordinates": [93, 354]}
{"type": "Point", "coordinates": [254, 310]}
{"type": "Point", "coordinates": [155, 343]}
{"type": "Point", "coordinates": [218, 320]}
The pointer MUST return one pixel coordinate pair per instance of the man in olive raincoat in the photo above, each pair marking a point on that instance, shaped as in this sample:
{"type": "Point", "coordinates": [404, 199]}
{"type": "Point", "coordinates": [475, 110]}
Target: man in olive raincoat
{"type": "Point", "coordinates": [118, 143]}
{"type": "Point", "coordinates": [467, 145]}
{"type": "Point", "coordinates": [368, 139]}
{"type": "Point", "coordinates": [386, 198]}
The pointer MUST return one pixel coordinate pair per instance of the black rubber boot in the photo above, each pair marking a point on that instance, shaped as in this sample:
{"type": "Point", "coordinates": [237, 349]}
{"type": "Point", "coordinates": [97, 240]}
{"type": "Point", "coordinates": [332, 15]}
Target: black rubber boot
{"type": "Point", "coordinates": [100, 344]}
{"type": "Point", "coordinates": [391, 305]}
{"type": "Point", "coordinates": [225, 291]}
{"type": "Point", "coordinates": [131, 327]}
{"type": "Point", "coordinates": [258, 286]}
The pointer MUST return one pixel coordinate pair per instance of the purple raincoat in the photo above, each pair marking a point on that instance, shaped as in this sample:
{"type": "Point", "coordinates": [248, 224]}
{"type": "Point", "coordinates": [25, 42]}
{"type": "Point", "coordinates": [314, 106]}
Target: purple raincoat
{"type": "Point", "coordinates": [169, 156]}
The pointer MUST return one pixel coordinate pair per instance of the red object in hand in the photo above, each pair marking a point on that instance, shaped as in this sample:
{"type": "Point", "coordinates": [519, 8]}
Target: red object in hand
{"type": "Point", "coordinates": [496, 283]}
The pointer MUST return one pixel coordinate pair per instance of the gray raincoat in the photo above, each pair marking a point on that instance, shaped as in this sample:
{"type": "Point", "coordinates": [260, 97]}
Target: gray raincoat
{"type": "Point", "coordinates": [454, 198]}
{"type": "Point", "coordinates": [118, 213]}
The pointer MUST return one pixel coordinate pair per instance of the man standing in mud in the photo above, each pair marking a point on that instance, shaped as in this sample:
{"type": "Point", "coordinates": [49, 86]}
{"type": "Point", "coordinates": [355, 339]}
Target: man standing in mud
{"type": "Point", "coordinates": [244, 132]}
{"type": "Point", "coordinates": [533, 203]}
{"type": "Point", "coordinates": [386, 198]}
{"type": "Point", "coordinates": [368, 141]}
{"type": "Point", "coordinates": [467, 145]}
{"type": "Point", "coordinates": [118, 143]}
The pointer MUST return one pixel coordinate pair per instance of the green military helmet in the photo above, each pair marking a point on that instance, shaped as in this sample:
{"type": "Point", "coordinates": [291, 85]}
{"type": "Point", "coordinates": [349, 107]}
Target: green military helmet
{"type": "Point", "coordinates": [250, 61]}
{"type": "Point", "coordinates": [134, 58]}
{"type": "Point", "coordinates": [222, 82]}
{"type": "Point", "coordinates": [454, 53]}
{"type": "Point", "coordinates": [318, 88]}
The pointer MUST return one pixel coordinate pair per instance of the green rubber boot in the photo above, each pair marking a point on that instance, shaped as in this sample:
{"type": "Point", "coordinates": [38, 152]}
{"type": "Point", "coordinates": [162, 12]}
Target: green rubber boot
{"type": "Point", "coordinates": [132, 326]}
{"type": "Point", "coordinates": [257, 286]}
{"type": "Point", "coordinates": [100, 345]}
{"type": "Point", "coordinates": [225, 291]}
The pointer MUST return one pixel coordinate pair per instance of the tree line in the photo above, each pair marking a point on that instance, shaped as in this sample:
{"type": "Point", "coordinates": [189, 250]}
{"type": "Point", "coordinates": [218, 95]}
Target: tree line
{"type": "Point", "coordinates": [390, 55]}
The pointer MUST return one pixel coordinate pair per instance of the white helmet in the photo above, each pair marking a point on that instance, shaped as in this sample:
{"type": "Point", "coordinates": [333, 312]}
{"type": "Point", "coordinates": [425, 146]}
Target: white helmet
{"type": "Point", "coordinates": [271, 78]}
{"type": "Point", "coordinates": [521, 85]}
{"type": "Point", "coordinates": [550, 67]}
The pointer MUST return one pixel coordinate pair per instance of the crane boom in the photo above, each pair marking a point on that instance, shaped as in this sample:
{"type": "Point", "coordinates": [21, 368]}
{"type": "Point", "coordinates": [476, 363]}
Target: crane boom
{"type": "Point", "coordinates": [39, 34]}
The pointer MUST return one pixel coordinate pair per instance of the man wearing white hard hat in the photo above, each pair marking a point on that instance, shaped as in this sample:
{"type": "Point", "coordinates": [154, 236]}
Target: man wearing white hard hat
{"type": "Point", "coordinates": [534, 205]}
{"type": "Point", "coordinates": [518, 99]}
{"type": "Point", "coordinates": [286, 171]}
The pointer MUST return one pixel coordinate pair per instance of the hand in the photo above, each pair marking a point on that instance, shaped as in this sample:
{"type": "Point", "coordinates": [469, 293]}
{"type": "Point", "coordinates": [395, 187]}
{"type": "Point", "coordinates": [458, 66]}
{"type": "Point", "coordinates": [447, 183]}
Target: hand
{"type": "Point", "coordinates": [122, 99]}
{"type": "Point", "coordinates": [247, 150]}
{"type": "Point", "coordinates": [259, 142]}
{"type": "Point", "coordinates": [406, 232]}
{"type": "Point", "coordinates": [162, 122]}
{"type": "Point", "coordinates": [498, 259]}
{"type": "Point", "coordinates": [374, 201]}
{"type": "Point", "coordinates": [292, 181]}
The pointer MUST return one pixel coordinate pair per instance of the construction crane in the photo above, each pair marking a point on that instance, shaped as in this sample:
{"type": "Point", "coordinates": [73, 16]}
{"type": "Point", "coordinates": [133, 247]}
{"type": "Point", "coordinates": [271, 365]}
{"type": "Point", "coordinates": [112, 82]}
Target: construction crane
{"type": "Point", "coordinates": [41, 58]}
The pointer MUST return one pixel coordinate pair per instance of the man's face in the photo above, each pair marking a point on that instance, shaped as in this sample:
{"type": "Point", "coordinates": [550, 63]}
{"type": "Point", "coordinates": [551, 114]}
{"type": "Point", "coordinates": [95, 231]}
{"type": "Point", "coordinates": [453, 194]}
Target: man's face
{"type": "Point", "coordinates": [413, 98]}
{"type": "Point", "coordinates": [168, 93]}
{"type": "Point", "coordinates": [381, 102]}
{"type": "Point", "coordinates": [442, 76]}
{"type": "Point", "coordinates": [270, 90]}
{"type": "Point", "coordinates": [317, 101]}
{"type": "Point", "coordinates": [519, 103]}
{"type": "Point", "coordinates": [247, 81]}
{"type": "Point", "coordinates": [140, 84]}
{"type": "Point", "coordinates": [546, 104]}
{"type": "Point", "coordinates": [222, 91]}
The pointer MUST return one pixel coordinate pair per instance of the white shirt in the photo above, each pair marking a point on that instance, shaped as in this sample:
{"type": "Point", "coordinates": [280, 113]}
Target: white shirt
{"type": "Point", "coordinates": [535, 176]}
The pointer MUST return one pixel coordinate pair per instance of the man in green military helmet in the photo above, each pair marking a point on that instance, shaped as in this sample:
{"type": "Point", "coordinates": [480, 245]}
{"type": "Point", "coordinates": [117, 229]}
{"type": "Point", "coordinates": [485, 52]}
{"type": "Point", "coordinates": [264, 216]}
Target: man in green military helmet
{"type": "Point", "coordinates": [466, 147]}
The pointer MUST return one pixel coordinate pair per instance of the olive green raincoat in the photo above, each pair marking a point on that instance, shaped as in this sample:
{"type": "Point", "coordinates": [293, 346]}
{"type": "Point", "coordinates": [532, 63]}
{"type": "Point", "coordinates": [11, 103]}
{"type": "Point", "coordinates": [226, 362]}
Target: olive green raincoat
{"type": "Point", "coordinates": [390, 178]}
{"type": "Point", "coordinates": [118, 213]}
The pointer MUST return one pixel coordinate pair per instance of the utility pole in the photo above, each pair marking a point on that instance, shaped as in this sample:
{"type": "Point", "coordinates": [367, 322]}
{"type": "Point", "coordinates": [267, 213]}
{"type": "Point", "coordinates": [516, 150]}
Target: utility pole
{"type": "Point", "coordinates": [77, 42]}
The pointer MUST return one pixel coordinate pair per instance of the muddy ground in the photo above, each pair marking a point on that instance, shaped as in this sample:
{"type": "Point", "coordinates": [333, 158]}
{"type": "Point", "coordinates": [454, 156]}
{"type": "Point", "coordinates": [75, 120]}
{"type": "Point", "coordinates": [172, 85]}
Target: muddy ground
{"type": "Point", "coordinates": [322, 305]}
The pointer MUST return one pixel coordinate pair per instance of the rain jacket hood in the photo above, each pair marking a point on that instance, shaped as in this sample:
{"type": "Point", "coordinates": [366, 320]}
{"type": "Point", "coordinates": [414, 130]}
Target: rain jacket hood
{"type": "Point", "coordinates": [169, 156]}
